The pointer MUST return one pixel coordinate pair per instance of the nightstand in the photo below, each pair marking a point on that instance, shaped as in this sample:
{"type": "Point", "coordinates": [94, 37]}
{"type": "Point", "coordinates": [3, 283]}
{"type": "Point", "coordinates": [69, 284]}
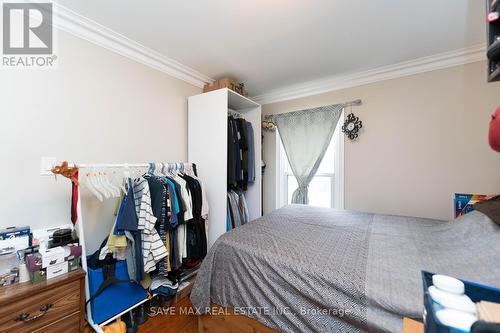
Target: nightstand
{"type": "Point", "coordinates": [55, 305]}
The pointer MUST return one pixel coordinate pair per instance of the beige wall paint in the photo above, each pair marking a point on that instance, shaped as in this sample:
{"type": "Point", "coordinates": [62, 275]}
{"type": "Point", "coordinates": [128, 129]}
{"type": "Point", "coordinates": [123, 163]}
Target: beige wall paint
{"type": "Point", "coordinates": [424, 138]}
{"type": "Point", "coordinates": [96, 106]}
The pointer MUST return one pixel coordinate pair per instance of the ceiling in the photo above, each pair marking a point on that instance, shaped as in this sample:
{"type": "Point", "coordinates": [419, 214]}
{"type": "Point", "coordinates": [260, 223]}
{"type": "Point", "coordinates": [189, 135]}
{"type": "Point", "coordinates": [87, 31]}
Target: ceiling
{"type": "Point", "coordinates": [272, 44]}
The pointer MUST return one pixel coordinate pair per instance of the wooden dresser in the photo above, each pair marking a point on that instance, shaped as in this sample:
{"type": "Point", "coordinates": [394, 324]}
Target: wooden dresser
{"type": "Point", "coordinates": [56, 305]}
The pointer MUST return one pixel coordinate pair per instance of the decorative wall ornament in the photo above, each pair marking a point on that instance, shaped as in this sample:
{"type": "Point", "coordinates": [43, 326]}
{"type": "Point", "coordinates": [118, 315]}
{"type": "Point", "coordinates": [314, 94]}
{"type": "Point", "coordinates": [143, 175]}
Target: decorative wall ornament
{"type": "Point", "coordinates": [351, 126]}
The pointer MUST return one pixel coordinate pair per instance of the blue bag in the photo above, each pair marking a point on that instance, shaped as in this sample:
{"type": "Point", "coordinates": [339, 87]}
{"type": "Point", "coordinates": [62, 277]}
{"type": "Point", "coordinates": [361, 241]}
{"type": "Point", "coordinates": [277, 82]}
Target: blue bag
{"type": "Point", "coordinates": [113, 295]}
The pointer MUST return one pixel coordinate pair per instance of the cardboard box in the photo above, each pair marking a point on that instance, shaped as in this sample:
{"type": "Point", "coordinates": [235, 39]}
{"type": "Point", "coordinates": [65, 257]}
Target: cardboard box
{"type": "Point", "coordinates": [38, 276]}
{"type": "Point", "coordinates": [10, 277]}
{"type": "Point", "coordinates": [34, 260]}
{"type": "Point", "coordinates": [14, 232]}
{"type": "Point", "coordinates": [18, 243]}
{"type": "Point", "coordinates": [56, 270]}
{"type": "Point", "coordinates": [73, 264]}
{"type": "Point", "coordinates": [52, 256]}
{"type": "Point", "coordinates": [226, 83]}
{"type": "Point", "coordinates": [464, 203]}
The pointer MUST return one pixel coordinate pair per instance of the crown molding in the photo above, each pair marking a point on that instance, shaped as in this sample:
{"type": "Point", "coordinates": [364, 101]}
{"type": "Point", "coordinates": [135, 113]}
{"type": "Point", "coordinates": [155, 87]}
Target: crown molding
{"type": "Point", "coordinates": [84, 28]}
{"type": "Point", "coordinates": [402, 69]}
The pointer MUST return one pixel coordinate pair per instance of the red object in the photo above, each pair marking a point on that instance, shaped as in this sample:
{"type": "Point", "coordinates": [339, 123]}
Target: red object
{"type": "Point", "coordinates": [74, 199]}
{"type": "Point", "coordinates": [494, 136]}
{"type": "Point", "coordinates": [493, 16]}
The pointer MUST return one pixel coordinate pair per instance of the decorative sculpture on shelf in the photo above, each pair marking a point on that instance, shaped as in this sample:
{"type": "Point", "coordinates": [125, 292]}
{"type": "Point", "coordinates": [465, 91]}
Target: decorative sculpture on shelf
{"type": "Point", "coordinates": [268, 123]}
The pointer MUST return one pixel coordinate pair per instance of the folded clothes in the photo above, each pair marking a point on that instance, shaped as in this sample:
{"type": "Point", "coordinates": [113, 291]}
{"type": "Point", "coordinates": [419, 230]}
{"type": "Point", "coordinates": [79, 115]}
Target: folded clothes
{"type": "Point", "coordinates": [159, 281]}
{"type": "Point", "coordinates": [165, 291]}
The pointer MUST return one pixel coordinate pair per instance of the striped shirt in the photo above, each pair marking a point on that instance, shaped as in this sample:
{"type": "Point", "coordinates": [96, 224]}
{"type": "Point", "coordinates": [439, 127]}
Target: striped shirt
{"type": "Point", "coordinates": [153, 248]}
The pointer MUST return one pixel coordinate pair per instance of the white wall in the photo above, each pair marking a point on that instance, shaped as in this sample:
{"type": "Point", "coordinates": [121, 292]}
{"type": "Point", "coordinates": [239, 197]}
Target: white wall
{"type": "Point", "coordinates": [424, 138]}
{"type": "Point", "coordinates": [96, 106]}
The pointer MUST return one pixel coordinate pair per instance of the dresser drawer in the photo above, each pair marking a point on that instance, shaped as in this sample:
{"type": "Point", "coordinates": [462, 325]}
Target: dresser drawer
{"type": "Point", "coordinates": [68, 324]}
{"type": "Point", "coordinates": [40, 309]}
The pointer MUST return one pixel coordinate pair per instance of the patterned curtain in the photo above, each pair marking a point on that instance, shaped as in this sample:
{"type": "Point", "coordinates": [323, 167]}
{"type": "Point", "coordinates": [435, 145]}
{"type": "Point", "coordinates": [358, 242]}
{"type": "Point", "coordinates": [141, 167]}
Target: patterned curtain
{"type": "Point", "coordinates": [306, 136]}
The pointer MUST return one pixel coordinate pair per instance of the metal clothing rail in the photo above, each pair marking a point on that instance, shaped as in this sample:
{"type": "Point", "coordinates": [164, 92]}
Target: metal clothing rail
{"type": "Point", "coordinates": [81, 233]}
{"type": "Point", "coordinates": [125, 165]}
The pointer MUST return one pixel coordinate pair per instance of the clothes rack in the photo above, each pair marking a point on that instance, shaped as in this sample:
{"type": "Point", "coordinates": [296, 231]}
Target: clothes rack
{"type": "Point", "coordinates": [81, 234]}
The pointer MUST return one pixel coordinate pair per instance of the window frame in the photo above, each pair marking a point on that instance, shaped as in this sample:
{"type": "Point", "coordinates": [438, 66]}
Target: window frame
{"type": "Point", "coordinates": [287, 174]}
{"type": "Point", "coordinates": [336, 178]}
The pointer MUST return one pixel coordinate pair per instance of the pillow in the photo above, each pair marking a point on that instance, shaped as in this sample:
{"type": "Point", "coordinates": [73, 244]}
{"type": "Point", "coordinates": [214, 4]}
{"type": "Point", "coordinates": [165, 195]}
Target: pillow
{"type": "Point", "coordinates": [490, 208]}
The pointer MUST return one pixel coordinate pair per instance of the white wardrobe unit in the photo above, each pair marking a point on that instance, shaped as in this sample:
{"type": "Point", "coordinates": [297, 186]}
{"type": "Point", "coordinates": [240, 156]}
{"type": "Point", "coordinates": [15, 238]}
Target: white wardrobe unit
{"type": "Point", "coordinates": [207, 147]}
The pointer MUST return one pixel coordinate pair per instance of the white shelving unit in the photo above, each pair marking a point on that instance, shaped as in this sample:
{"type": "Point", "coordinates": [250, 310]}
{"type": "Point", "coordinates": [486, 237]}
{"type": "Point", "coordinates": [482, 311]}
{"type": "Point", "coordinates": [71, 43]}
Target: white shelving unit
{"type": "Point", "coordinates": [207, 145]}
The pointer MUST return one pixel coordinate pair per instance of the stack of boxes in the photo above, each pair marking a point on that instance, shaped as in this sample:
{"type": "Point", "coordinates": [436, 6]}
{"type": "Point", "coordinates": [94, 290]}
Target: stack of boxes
{"type": "Point", "coordinates": [50, 263]}
{"type": "Point", "coordinates": [37, 255]}
{"type": "Point", "coordinates": [226, 83]}
{"type": "Point", "coordinates": [11, 240]}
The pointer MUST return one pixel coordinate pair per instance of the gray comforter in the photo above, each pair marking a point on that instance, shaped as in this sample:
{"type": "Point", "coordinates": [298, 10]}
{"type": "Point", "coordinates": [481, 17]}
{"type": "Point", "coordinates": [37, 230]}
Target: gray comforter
{"type": "Point", "coordinates": [307, 269]}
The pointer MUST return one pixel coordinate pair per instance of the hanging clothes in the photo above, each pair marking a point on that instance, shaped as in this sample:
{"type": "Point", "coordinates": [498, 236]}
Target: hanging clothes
{"type": "Point", "coordinates": [195, 228]}
{"type": "Point", "coordinates": [243, 208]}
{"type": "Point", "coordinates": [243, 137]}
{"type": "Point", "coordinates": [126, 229]}
{"type": "Point", "coordinates": [238, 208]}
{"type": "Point", "coordinates": [240, 154]}
{"type": "Point", "coordinates": [160, 226]}
{"type": "Point", "coordinates": [153, 249]}
{"type": "Point", "coordinates": [233, 207]}
{"type": "Point", "coordinates": [160, 207]}
{"type": "Point", "coordinates": [251, 153]}
{"type": "Point", "coordinates": [229, 222]}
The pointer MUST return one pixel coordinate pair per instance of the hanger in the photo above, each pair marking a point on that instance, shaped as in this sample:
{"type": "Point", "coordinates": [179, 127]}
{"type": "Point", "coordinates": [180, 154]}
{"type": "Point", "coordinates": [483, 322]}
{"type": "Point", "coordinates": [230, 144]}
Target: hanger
{"type": "Point", "coordinates": [88, 183]}
{"type": "Point", "coordinates": [102, 181]}
{"type": "Point", "coordinates": [114, 189]}
{"type": "Point", "coordinates": [97, 182]}
{"type": "Point", "coordinates": [151, 168]}
{"type": "Point", "coordinates": [119, 181]}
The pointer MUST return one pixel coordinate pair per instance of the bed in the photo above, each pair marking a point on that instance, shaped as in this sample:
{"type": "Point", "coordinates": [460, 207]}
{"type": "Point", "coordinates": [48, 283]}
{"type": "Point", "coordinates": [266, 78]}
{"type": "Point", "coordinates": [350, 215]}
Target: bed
{"type": "Point", "coordinates": [309, 269]}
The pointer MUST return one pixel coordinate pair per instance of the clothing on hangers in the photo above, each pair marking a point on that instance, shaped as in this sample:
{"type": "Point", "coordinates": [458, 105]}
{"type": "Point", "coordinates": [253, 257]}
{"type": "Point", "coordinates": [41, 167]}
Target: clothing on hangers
{"type": "Point", "coordinates": [160, 227]}
{"type": "Point", "coordinates": [238, 208]}
{"type": "Point", "coordinates": [153, 249]}
{"type": "Point", "coordinates": [251, 152]}
{"type": "Point", "coordinates": [240, 154]}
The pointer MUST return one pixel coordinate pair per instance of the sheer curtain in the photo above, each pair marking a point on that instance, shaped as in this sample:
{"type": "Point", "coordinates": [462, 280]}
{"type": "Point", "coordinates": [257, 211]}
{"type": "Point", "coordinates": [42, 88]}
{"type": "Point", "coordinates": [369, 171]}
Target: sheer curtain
{"type": "Point", "coordinates": [306, 135]}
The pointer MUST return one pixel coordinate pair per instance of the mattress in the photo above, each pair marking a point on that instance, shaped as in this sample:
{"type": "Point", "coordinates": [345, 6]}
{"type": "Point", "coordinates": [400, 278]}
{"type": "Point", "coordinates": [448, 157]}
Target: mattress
{"type": "Point", "coordinates": [309, 269]}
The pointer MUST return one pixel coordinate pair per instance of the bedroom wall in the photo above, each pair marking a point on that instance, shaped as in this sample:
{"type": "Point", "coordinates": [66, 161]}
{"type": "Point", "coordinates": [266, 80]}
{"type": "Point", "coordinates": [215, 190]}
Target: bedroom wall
{"type": "Point", "coordinates": [424, 139]}
{"type": "Point", "coordinates": [96, 106]}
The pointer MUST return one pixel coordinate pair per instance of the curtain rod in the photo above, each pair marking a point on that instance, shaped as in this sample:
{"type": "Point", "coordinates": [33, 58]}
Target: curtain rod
{"type": "Point", "coordinates": [268, 122]}
{"type": "Point", "coordinates": [356, 102]}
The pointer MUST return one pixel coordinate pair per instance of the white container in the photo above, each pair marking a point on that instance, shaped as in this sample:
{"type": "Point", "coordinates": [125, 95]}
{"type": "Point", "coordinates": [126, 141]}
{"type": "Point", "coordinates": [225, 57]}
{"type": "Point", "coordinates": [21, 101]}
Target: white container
{"type": "Point", "coordinates": [52, 256]}
{"type": "Point", "coordinates": [8, 261]}
{"type": "Point", "coordinates": [24, 275]}
{"type": "Point", "coordinates": [57, 269]}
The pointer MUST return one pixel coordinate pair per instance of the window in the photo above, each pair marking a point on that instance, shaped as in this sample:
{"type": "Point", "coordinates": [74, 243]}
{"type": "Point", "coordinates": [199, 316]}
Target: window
{"type": "Point", "coordinates": [326, 188]}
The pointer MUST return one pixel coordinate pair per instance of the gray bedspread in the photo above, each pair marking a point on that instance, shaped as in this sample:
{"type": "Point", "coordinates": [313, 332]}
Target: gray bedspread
{"type": "Point", "coordinates": [309, 269]}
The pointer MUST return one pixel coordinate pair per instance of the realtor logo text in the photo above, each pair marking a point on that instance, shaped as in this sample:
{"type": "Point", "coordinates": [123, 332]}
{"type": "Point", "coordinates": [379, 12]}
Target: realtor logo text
{"type": "Point", "coordinates": [28, 39]}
